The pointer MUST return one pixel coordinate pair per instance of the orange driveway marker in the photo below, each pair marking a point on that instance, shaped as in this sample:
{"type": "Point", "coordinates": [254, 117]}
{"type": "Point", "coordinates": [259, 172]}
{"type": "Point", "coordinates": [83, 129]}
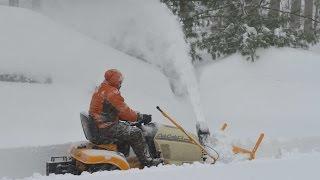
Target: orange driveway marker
{"type": "Point", "coordinates": [252, 153]}
{"type": "Point", "coordinates": [224, 126]}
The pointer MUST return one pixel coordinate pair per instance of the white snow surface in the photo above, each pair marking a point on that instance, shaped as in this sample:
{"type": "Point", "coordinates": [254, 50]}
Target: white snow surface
{"type": "Point", "coordinates": [289, 168]}
{"type": "Point", "coordinates": [277, 95]}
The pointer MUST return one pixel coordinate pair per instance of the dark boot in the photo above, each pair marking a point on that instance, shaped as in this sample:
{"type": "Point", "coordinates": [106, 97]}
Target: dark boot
{"type": "Point", "coordinates": [153, 162]}
{"type": "Point", "coordinates": [140, 148]}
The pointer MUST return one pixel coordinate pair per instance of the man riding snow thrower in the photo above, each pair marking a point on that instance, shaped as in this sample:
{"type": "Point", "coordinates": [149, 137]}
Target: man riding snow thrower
{"type": "Point", "coordinates": [111, 115]}
{"type": "Point", "coordinates": [112, 127]}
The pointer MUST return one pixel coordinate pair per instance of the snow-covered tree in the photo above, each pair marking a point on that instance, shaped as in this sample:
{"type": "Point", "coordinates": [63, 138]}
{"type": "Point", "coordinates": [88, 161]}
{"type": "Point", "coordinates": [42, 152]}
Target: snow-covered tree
{"type": "Point", "coordinates": [223, 27]}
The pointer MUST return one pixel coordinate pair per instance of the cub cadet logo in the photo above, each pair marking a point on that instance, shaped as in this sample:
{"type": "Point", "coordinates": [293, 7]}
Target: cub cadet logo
{"type": "Point", "coordinates": [170, 137]}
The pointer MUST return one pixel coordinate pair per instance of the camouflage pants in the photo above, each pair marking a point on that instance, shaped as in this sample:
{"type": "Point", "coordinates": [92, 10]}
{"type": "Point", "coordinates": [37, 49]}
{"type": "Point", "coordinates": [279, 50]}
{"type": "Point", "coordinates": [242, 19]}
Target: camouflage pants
{"type": "Point", "coordinates": [125, 134]}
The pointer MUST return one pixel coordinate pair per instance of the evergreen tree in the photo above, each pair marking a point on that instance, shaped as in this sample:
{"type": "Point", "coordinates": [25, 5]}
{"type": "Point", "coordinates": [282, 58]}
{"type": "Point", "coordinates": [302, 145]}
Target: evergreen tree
{"type": "Point", "coordinates": [224, 27]}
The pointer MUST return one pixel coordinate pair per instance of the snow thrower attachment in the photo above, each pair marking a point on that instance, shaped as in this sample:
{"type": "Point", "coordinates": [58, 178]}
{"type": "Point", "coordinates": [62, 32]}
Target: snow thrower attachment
{"type": "Point", "coordinates": [251, 153]}
{"type": "Point", "coordinates": [204, 133]}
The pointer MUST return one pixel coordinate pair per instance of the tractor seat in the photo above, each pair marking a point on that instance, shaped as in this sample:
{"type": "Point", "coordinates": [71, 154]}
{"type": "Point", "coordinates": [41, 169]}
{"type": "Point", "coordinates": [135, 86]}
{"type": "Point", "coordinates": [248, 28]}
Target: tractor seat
{"type": "Point", "coordinates": [91, 131]}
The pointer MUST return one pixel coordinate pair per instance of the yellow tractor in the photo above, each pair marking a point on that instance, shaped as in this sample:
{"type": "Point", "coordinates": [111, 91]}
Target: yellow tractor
{"type": "Point", "coordinates": [172, 143]}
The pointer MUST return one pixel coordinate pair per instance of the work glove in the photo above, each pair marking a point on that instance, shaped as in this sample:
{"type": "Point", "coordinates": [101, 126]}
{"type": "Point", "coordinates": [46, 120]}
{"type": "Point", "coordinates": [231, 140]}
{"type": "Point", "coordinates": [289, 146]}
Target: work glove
{"type": "Point", "coordinates": [144, 118]}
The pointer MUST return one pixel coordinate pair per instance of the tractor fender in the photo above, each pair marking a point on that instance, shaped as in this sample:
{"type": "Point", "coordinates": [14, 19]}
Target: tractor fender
{"type": "Point", "coordinates": [99, 156]}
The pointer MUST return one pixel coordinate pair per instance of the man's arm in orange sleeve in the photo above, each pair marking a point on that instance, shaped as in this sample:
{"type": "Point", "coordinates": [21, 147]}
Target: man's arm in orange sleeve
{"type": "Point", "coordinates": [125, 112]}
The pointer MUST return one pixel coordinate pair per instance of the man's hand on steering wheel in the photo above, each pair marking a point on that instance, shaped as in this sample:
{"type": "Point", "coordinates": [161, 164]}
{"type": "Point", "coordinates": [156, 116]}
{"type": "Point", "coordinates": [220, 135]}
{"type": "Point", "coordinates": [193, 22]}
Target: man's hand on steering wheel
{"type": "Point", "coordinates": [144, 118]}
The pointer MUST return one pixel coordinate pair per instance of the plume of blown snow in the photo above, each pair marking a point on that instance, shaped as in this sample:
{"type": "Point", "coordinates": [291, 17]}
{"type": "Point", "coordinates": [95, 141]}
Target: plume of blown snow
{"type": "Point", "coordinates": [145, 29]}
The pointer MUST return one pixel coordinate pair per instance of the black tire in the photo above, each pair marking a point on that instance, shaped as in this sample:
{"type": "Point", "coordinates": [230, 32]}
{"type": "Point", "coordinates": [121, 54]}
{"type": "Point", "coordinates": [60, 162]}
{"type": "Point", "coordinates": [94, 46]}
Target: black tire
{"type": "Point", "coordinates": [102, 167]}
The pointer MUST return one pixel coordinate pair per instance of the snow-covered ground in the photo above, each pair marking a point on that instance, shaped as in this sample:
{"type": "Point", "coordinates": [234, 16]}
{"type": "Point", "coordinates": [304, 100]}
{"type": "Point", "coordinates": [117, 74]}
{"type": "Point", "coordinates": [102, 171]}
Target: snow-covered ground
{"type": "Point", "coordinates": [289, 168]}
{"type": "Point", "coordinates": [277, 95]}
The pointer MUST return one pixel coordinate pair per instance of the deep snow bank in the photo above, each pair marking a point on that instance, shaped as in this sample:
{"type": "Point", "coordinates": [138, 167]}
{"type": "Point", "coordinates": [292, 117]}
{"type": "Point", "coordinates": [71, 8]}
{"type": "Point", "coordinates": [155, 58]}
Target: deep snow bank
{"type": "Point", "coordinates": [278, 94]}
{"type": "Point", "coordinates": [25, 161]}
{"type": "Point", "coordinates": [39, 114]}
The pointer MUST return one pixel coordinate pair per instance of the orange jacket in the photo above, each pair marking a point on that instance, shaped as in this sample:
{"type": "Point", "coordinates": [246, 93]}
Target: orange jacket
{"type": "Point", "coordinates": [108, 95]}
